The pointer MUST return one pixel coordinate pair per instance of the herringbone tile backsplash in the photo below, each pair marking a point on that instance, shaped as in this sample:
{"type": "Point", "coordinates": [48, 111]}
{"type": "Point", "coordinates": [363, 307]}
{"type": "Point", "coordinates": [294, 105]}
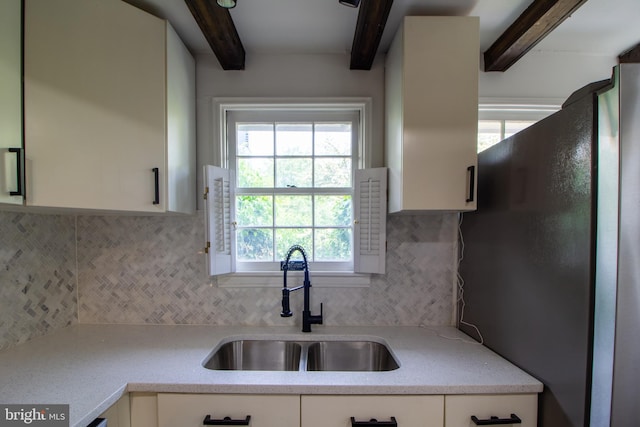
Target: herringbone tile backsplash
{"type": "Point", "coordinates": [151, 270]}
{"type": "Point", "coordinates": [37, 275]}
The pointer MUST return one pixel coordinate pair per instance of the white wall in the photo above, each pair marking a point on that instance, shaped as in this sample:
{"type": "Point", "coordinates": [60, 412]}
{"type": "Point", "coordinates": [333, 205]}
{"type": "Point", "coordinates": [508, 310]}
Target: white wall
{"type": "Point", "coordinates": [546, 75]}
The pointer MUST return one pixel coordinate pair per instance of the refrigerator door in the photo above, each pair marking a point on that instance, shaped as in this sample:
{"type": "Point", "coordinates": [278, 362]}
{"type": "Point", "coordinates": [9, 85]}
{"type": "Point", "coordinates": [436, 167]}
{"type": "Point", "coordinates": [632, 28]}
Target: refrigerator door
{"type": "Point", "coordinates": [606, 275]}
{"type": "Point", "coordinates": [625, 409]}
{"type": "Point", "coordinates": [528, 257]}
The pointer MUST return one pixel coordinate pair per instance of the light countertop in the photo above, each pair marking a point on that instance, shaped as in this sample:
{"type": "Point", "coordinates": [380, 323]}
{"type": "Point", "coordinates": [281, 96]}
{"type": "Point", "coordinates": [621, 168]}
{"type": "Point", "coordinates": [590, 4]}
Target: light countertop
{"type": "Point", "coordinates": [90, 366]}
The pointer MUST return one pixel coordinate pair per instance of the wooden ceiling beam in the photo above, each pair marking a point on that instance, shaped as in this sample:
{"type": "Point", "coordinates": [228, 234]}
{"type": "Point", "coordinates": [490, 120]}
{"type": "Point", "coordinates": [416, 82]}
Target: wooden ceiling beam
{"type": "Point", "coordinates": [372, 18]}
{"type": "Point", "coordinates": [218, 28]}
{"type": "Point", "coordinates": [538, 20]}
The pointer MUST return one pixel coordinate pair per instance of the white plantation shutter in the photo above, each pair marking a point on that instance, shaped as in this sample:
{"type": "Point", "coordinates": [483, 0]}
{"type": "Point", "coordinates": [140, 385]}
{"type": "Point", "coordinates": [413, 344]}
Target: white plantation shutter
{"type": "Point", "coordinates": [218, 211]}
{"type": "Point", "coordinates": [370, 221]}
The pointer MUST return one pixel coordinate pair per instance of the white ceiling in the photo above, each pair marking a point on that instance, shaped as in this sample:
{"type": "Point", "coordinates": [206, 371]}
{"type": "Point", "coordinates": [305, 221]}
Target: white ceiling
{"type": "Point", "coordinates": [599, 27]}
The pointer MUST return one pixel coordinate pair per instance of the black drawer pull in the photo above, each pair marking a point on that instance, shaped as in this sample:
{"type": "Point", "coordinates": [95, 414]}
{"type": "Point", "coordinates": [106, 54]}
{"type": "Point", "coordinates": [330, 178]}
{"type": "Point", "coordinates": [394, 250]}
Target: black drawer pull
{"type": "Point", "coordinates": [156, 182]}
{"type": "Point", "coordinates": [18, 191]}
{"type": "Point", "coordinates": [493, 421]}
{"type": "Point", "coordinates": [472, 182]}
{"type": "Point", "coordinates": [374, 423]}
{"type": "Point", "coordinates": [226, 421]}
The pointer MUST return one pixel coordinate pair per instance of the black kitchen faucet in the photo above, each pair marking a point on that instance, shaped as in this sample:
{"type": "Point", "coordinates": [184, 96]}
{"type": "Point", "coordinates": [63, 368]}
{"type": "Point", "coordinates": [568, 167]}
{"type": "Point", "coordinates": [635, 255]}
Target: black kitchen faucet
{"type": "Point", "coordinates": [308, 319]}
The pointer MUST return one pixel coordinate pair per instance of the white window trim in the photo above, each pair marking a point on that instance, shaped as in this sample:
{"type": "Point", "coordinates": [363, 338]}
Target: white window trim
{"type": "Point", "coordinates": [220, 109]}
{"type": "Point", "coordinates": [517, 108]}
{"type": "Point", "coordinates": [293, 115]}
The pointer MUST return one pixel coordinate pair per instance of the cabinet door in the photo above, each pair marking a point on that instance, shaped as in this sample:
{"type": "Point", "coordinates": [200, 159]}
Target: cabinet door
{"type": "Point", "coordinates": [181, 126]}
{"type": "Point", "coordinates": [10, 102]}
{"type": "Point", "coordinates": [119, 415]}
{"type": "Point", "coordinates": [189, 410]}
{"type": "Point", "coordinates": [460, 408]}
{"type": "Point", "coordinates": [144, 409]}
{"type": "Point", "coordinates": [94, 105]}
{"type": "Point", "coordinates": [408, 411]}
{"type": "Point", "coordinates": [432, 114]}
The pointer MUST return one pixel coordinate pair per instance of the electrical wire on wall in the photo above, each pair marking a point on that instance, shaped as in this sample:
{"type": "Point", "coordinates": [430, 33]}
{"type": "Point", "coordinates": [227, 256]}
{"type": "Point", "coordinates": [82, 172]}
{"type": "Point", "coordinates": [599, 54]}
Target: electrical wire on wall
{"type": "Point", "coordinates": [460, 300]}
{"type": "Point", "coordinates": [460, 282]}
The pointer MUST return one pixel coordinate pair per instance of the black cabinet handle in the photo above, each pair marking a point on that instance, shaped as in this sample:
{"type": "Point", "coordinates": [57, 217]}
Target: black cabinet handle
{"type": "Point", "coordinates": [18, 191]}
{"type": "Point", "coordinates": [472, 182]}
{"type": "Point", "coordinates": [493, 421]}
{"type": "Point", "coordinates": [226, 421]}
{"type": "Point", "coordinates": [374, 423]}
{"type": "Point", "coordinates": [156, 181]}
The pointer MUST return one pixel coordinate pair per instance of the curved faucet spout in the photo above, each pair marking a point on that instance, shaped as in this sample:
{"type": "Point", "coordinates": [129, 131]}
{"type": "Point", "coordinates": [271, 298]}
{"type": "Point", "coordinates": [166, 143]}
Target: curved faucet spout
{"type": "Point", "coordinates": [296, 248]}
{"type": "Point", "coordinates": [290, 252]}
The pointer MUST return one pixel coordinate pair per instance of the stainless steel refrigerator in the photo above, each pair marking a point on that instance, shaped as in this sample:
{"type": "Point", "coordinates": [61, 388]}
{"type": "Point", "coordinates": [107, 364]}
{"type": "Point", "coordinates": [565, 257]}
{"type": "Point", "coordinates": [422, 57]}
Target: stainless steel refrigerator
{"type": "Point", "coordinates": [551, 262]}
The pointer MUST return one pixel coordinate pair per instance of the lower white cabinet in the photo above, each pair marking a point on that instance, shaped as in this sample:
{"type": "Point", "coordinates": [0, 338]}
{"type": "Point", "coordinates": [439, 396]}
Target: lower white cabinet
{"type": "Point", "coordinates": [144, 409]}
{"type": "Point", "coordinates": [491, 409]}
{"type": "Point", "coordinates": [196, 410]}
{"type": "Point", "coordinates": [266, 410]}
{"type": "Point", "coordinates": [406, 411]}
{"type": "Point", "coordinates": [119, 414]}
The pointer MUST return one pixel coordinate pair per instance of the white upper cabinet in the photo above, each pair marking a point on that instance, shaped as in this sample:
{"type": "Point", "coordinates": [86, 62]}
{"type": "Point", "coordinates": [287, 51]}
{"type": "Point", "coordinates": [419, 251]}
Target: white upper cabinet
{"type": "Point", "coordinates": [11, 188]}
{"type": "Point", "coordinates": [431, 96]}
{"type": "Point", "coordinates": [109, 94]}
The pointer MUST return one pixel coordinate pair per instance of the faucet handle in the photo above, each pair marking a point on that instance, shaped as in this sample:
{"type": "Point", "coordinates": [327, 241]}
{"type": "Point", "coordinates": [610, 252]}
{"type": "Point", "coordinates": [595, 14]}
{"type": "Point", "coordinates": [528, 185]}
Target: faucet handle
{"type": "Point", "coordinates": [318, 318]}
{"type": "Point", "coordinates": [286, 310]}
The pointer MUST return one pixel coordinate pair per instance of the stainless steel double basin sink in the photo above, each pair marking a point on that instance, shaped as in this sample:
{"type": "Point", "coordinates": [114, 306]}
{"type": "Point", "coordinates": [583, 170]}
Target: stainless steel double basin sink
{"type": "Point", "coordinates": [293, 355]}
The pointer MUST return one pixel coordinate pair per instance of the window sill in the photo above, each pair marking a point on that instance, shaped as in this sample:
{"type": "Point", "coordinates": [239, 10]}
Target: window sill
{"type": "Point", "coordinates": [271, 279]}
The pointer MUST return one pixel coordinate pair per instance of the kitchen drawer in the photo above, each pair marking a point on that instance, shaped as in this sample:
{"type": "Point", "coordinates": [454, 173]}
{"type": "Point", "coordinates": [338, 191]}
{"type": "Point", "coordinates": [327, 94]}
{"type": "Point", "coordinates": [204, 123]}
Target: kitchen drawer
{"type": "Point", "coordinates": [460, 408]}
{"type": "Point", "coordinates": [336, 411]}
{"type": "Point", "coordinates": [189, 410]}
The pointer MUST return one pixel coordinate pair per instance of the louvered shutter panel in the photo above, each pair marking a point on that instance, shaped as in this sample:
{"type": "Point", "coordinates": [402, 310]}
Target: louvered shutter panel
{"type": "Point", "coordinates": [218, 211]}
{"type": "Point", "coordinates": [370, 225]}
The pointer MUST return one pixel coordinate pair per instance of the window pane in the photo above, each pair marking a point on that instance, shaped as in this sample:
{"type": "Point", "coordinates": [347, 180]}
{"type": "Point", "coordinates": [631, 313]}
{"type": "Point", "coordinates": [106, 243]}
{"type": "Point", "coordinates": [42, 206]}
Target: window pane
{"type": "Point", "coordinates": [294, 139]}
{"type": "Point", "coordinates": [333, 139]}
{"type": "Point", "coordinates": [332, 172]}
{"type": "Point", "coordinates": [254, 173]}
{"type": "Point", "coordinates": [489, 133]}
{"type": "Point", "coordinates": [254, 211]}
{"type": "Point", "coordinates": [294, 172]}
{"type": "Point", "coordinates": [512, 127]}
{"type": "Point", "coordinates": [333, 244]}
{"type": "Point", "coordinates": [254, 244]}
{"type": "Point", "coordinates": [293, 211]}
{"type": "Point", "coordinates": [333, 210]}
{"type": "Point", "coordinates": [255, 139]}
{"type": "Point", "coordinates": [287, 237]}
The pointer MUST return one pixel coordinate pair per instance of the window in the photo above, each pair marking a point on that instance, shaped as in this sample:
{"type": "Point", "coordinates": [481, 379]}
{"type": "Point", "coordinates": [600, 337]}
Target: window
{"type": "Point", "coordinates": [501, 120]}
{"type": "Point", "coordinates": [293, 185]}
{"type": "Point", "coordinates": [293, 177]}
{"type": "Point", "coordinates": [490, 132]}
